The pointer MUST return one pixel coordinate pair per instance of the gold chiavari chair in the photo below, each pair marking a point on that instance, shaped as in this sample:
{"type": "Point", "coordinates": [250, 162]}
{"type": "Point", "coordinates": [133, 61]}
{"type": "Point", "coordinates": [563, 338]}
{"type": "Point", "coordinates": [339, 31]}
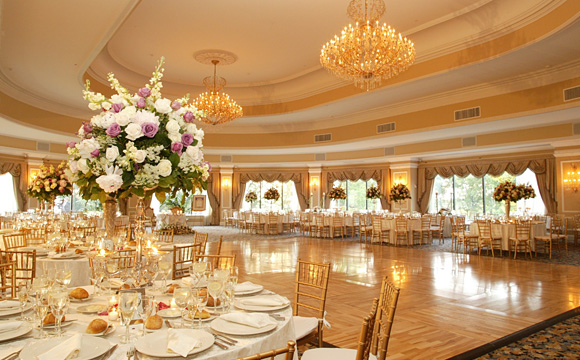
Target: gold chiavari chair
{"type": "Point", "coordinates": [521, 239]}
{"type": "Point", "coordinates": [183, 256]}
{"type": "Point", "coordinates": [218, 261]}
{"type": "Point", "coordinates": [7, 280]}
{"type": "Point", "coordinates": [35, 236]}
{"type": "Point", "coordinates": [486, 238]}
{"type": "Point", "coordinates": [165, 236]}
{"type": "Point", "coordinates": [546, 241]}
{"type": "Point", "coordinates": [366, 227]}
{"type": "Point", "coordinates": [401, 231]}
{"type": "Point", "coordinates": [288, 222]}
{"type": "Point", "coordinates": [424, 233]}
{"type": "Point", "coordinates": [288, 350]}
{"type": "Point", "coordinates": [200, 238]}
{"type": "Point", "coordinates": [337, 226]}
{"type": "Point", "coordinates": [576, 229]}
{"type": "Point", "coordinates": [87, 230]}
{"type": "Point", "coordinates": [123, 231]}
{"type": "Point", "coordinates": [377, 229]}
{"type": "Point", "coordinates": [321, 227]}
{"type": "Point", "coordinates": [24, 263]}
{"type": "Point", "coordinates": [438, 229]}
{"type": "Point", "coordinates": [14, 241]}
{"type": "Point", "coordinates": [384, 321]}
{"type": "Point", "coordinates": [124, 259]}
{"type": "Point", "coordinates": [351, 224]}
{"type": "Point", "coordinates": [272, 224]}
{"type": "Point", "coordinates": [362, 351]}
{"type": "Point", "coordinates": [563, 236]}
{"type": "Point", "coordinates": [310, 296]}
{"type": "Point", "coordinates": [304, 223]}
{"type": "Point", "coordinates": [218, 248]}
{"type": "Point", "coordinates": [467, 240]}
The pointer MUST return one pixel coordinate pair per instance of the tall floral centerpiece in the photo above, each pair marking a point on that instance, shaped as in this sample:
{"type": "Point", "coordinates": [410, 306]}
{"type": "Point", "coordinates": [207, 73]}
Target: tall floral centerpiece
{"type": "Point", "coordinates": [272, 194]}
{"type": "Point", "coordinates": [49, 183]}
{"type": "Point", "coordinates": [510, 192]}
{"type": "Point", "coordinates": [138, 144]}
{"type": "Point", "coordinates": [251, 196]}
{"type": "Point", "coordinates": [337, 193]}
{"type": "Point", "coordinates": [399, 192]}
{"type": "Point", "coordinates": [374, 193]}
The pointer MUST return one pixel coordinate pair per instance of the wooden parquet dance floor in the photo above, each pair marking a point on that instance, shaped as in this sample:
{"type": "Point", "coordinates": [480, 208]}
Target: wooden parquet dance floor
{"type": "Point", "coordinates": [449, 303]}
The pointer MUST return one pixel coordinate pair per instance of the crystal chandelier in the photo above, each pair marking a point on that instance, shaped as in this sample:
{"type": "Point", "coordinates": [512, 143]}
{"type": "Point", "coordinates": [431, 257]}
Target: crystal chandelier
{"type": "Point", "coordinates": [367, 52]}
{"type": "Point", "coordinates": [572, 179]}
{"type": "Point", "coordinates": [217, 105]}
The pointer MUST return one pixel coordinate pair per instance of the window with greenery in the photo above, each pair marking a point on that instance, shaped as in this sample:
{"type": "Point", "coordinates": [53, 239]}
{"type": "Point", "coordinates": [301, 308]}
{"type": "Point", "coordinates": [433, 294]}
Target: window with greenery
{"type": "Point", "coordinates": [8, 203]}
{"type": "Point", "coordinates": [177, 200]}
{"type": "Point", "coordinates": [356, 195]}
{"type": "Point", "coordinates": [75, 202]}
{"type": "Point", "coordinates": [288, 199]}
{"type": "Point", "coordinates": [471, 196]}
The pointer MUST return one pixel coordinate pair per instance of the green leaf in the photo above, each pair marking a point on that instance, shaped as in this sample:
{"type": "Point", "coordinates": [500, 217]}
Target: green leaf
{"type": "Point", "coordinates": [161, 196]}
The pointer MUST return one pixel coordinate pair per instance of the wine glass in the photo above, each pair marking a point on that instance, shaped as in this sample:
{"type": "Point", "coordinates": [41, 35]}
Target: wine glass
{"type": "Point", "coordinates": [41, 308]}
{"type": "Point", "coordinates": [234, 275]}
{"type": "Point", "coordinates": [128, 303]}
{"type": "Point", "coordinates": [58, 301]}
{"type": "Point", "coordinates": [199, 299]}
{"type": "Point", "coordinates": [229, 295]}
{"type": "Point", "coordinates": [23, 292]}
{"type": "Point", "coordinates": [215, 287]}
{"type": "Point", "coordinates": [164, 270]}
{"type": "Point", "coordinates": [181, 296]}
{"type": "Point", "coordinates": [146, 308]}
{"type": "Point", "coordinates": [197, 271]}
{"type": "Point", "coordinates": [63, 277]}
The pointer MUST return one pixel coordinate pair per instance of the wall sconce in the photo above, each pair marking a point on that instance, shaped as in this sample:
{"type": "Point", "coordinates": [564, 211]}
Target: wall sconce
{"type": "Point", "coordinates": [226, 183]}
{"type": "Point", "coordinates": [314, 183]}
{"type": "Point", "coordinates": [572, 179]}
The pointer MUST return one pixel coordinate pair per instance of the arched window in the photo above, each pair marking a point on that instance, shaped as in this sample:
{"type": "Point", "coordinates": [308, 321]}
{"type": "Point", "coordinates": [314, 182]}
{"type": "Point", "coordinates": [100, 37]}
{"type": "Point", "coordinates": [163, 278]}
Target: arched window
{"type": "Point", "coordinates": [288, 199]}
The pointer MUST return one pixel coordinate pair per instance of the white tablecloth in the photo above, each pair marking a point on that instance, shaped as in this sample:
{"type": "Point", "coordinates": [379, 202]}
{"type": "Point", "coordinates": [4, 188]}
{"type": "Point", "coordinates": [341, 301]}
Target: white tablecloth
{"type": "Point", "coordinates": [170, 219]}
{"type": "Point", "coordinates": [505, 231]}
{"type": "Point", "coordinates": [81, 272]}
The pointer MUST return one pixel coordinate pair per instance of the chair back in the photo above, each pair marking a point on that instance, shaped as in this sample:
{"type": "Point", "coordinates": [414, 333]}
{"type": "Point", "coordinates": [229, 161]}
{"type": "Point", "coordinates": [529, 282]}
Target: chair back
{"type": "Point", "coordinates": [35, 236]}
{"type": "Point", "coordinates": [376, 224]}
{"type": "Point", "coordinates": [311, 287]}
{"type": "Point", "coordinates": [183, 256]}
{"type": "Point", "coordinates": [218, 261]}
{"type": "Point", "coordinates": [7, 280]}
{"type": "Point", "coordinates": [288, 350]}
{"type": "Point", "coordinates": [272, 219]}
{"type": "Point", "coordinates": [200, 238]}
{"type": "Point", "coordinates": [337, 221]}
{"type": "Point", "coordinates": [400, 224]}
{"type": "Point", "coordinates": [24, 263]}
{"type": "Point", "coordinates": [523, 230]}
{"type": "Point", "coordinates": [14, 241]}
{"type": "Point", "coordinates": [366, 333]}
{"type": "Point", "coordinates": [425, 223]}
{"type": "Point", "coordinates": [484, 229]}
{"type": "Point", "coordinates": [165, 236]}
{"type": "Point", "coordinates": [384, 321]}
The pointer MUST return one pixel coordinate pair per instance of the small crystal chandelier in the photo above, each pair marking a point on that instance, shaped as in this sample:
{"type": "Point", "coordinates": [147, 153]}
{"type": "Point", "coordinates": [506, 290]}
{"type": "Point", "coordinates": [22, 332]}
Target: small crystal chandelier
{"type": "Point", "coordinates": [572, 179]}
{"type": "Point", "coordinates": [217, 105]}
{"type": "Point", "coordinates": [367, 52]}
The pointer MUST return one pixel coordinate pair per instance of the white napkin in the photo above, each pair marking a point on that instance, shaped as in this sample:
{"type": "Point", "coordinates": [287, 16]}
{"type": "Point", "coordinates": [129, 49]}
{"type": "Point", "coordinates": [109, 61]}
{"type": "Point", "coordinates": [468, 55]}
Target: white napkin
{"type": "Point", "coordinates": [6, 326]}
{"type": "Point", "coordinates": [9, 304]}
{"type": "Point", "coordinates": [7, 350]}
{"type": "Point", "coordinates": [246, 286]}
{"type": "Point", "coordinates": [61, 255]}
{"type": "Point", "coordinates": [181, 342]}
{"type": "Point", "coordinates": [265, 300]}
{"type": "Point", "coordinates": [256, 320]}
{"type": "Point", "coordinates": [65, 350]}
{"type": "Point", "coordinates": [116, 282]}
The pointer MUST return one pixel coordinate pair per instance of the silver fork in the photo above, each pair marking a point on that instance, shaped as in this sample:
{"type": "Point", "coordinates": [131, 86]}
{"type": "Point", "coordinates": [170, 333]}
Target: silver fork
{"type": "Point", "coordinates": [130, 353]}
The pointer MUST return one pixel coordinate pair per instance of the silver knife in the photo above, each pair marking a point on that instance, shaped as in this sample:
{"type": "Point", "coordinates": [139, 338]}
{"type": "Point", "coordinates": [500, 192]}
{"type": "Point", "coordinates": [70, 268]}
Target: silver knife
{"type": "Point", "coordinates": [110, 352]}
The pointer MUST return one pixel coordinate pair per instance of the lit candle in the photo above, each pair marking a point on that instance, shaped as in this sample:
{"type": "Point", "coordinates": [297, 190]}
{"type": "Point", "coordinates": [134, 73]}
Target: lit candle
{"type": "Point", "coordinates": [113, 315]}
{"type": "Point", "coordinates": [112, 301]}
{"type": "Point", "coordinates": [173, 304]}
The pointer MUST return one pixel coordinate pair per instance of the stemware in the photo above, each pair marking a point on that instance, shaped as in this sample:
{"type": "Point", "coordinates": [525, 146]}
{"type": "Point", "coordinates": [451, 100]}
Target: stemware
{"type": "Point", "coordinates": [199, 299]}
{"type": "Point", "coordinates": [181, 296]}
{"type": "Point", "coordinates": [63, 277]}
{"type": "Point", "coordinates": [164, 270]}
{"type": "Point", "coordinates": [197, 271]}
{"type": "Point", "coordinates": [234, 275]}
{"type": "Point", "coordinates": [215, 287]}
{"type": "Point", "coordinates": [58, 301]}
{"type": "Point", "coordinates": [23, 293]}
{"type": "Point", "coordinates": [146, 309]}
{"type": "Point", "coordinates": [41, 309]}
{"type": "Point", "coordinates": [128, 303]}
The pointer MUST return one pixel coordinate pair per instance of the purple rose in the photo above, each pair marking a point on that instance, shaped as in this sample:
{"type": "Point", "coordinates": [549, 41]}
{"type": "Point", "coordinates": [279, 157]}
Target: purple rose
{"type": "Point", "coordinates": [137, 167]}
{"type": "Point", "coordinates": [71, 144]}
{"type": "Point", "coordinates": [95, 153]}
{"type": "Point", "coordinates": [149, 129]}
{"type": "Point", "coordinates": [114, 130]}
{"type": "Point", "coordinates": [87, 127]}
{"type": "Point", "coordinates": [144, 92]}
{"type": "Point", "coordinates": [118, 107]}
{"type": "Point", "coordinates": [176, 105]}
{"type": "Point", "coordinates": [141, 103]}
{"type": "Point", "coordinates": [188, 117]}
{"type": "Point", "coordinates": [176, 148]}
{"type": "Point", "coordinates": [186, 139]}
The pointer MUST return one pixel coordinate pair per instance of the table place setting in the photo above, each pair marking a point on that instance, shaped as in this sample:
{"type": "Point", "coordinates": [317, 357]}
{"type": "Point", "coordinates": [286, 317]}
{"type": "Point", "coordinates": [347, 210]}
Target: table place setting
{"type": "Point", "coordinates": [174, 342]}
{"type": "Point", "coordinates": [247, 288]}
{"type": "Point", "coordinates": [262, 303]}
{"type": "Point", "coordinates": [243, 324]}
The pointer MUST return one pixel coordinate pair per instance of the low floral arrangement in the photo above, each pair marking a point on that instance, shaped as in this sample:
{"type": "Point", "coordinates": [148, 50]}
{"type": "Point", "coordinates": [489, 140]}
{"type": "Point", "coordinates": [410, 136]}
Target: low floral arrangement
{"type": "Point", "coordinates": [272, 194]}
{"type": "Point", "coordinates": [178, 229]}
{"type": "Point", "coordinates": [509, 191]}
{"type": "Point", "coordinates": [337, 193]}
{"type": "Point", "coordinates": [140, 144]}
{"type": "Point", "coordinates": [251, 197]}
{"type": "Point", "coordinates": [399, 192]}
{"type": "Point", "coordinates": [374, 192]}
{"type": "Point", "coordinates": [50, 182]}
{"type": "Point", "coordinates": [442, 211]}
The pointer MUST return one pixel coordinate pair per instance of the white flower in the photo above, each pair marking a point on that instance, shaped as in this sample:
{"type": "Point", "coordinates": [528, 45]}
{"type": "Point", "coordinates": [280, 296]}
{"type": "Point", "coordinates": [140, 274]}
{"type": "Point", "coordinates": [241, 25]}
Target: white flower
{"type": "Point", "coordinates": [122, 119]}
{"type": "Point", "coordinates": [87, 146]}
{"type": "Point", "coordinates": [133, 131]}
{"type": "Point", "coordinates": [144, 116]}
{"type": "Point", "coordinates": [164, 167]}
{"type": "Point", "coordinates": [97, 120]}
{"type": "Point", "coordinates": [112, 153]}
{"type": "Point", "coordinates": [108, 120]}
{"type": "Point", "coordinates": [163, 106]}
{"type": "Point", "coordinates": [172, 126]}
{"type": "Point", "coordinates": [118, 99]}
{"type": "Point", "coordinates": [112, 181]}
{"type": "Point", "coordinates": [83, 166]}
{"type": "Point", "coordinates": [140, 156]}
{"type": "Point", "coordinates": [194, 153]}
{"type": "Point", "coordinates": [73, 166]}
{"type": "Point", "coordinates": [174, 137]}
{"type": "Point", "coordinates": [106, 105]}
{"type": "Point", "coordinates": [94, 106]}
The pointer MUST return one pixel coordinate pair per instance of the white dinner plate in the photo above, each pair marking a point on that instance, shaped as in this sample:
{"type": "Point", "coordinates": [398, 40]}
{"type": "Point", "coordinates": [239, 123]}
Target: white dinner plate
{"type": "Point", "coordinates": [211, 317]}
{"type": "Point", "coordinates": [68, 257]}
{"type": "Point", "coordinates": [155, 344]}
{"type": "Point", "coordinates": [63, 324]}
{"type": "Point", "coordinates": [169, 313]}
{"type": "Point", "coordinates": [92, 309]}
{"type": "Point", "coordinates": [231, 328]}
{"type": "Point", "coordinates": [91, 347]}
{"type": "Point", "coordinates": [238, 304]}
{"type": "Point", "coordinates": [74, 300]}
{"type": "Point", "coordinates": [250, 292]}
{"type": "Point", "coordinates": [14, 311]}
{"type": "Point", "coordinates": [24, 329]}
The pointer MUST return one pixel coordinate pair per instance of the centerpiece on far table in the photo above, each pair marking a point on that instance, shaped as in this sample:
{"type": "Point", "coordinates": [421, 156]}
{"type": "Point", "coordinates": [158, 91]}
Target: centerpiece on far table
{"type": "Point", "coordinates": [272, 194]}
{"type": "Point", "coordinates": [399, 192]}
{"type": "Point", "coordinates": [337, 193]}
{"type": "Point", "coordinates": [251, 196]}
{"type": "Point", "coordinates": [374, 193]}
{"type": "Point", "coordinates": [49, 183]}
{"type": "Point", "coordinates": [509, 192]}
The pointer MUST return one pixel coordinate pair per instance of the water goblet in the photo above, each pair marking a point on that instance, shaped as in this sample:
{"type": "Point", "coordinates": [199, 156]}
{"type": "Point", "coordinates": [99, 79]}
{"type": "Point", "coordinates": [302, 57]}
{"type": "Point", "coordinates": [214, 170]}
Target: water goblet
{"type": "Point", "coordinates": [199, 299]}
{"type": "Point", "coordinates": [23, 292]}
{"type": "Point", "coordinates": [146, 309]}
{"type": "Point", "coordinates": [164, 270]}
{"type": "Point", "coordinates": [128, 303]}
{"type": "Point", "coordinates": [215, 287]}
{"type": "Point", "coordinates": [63, 277]}
{"type": "Point", "coordinates": [41, 309]}
{"type": "Point", "coordinates": [58, 301]}
{"type": "Point", "coordinates": [180, 296]}
{"type": "Point", "coordinates": [234, 275]}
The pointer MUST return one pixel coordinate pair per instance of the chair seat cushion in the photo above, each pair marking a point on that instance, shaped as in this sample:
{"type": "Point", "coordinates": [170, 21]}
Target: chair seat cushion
{"type": "Point", "coordinates": [332, 354]}
{"type": "Point", "coordinates": [304, 326]}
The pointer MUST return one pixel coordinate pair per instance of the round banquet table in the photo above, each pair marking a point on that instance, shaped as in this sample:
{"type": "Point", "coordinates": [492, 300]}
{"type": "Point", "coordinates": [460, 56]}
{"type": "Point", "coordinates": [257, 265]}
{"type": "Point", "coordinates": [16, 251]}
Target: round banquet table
{"type": "Point", "coordinates": [246, 346]}
{"type": "Point", "coordinates": [81, 272]}
{"type": "Point", "coordinates": [505, 231]}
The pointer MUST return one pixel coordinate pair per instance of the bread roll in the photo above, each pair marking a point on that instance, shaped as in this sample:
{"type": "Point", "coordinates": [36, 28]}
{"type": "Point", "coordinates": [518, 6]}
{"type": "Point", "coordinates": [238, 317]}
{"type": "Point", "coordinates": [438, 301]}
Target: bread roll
{"type": "Point", "coordinates": [172, 288]}
{"type": "Point", "coordinates": [79, 293]}
{"type": "Point", "coordinates": [154, 322]}
{"type": "Point", "coordinates": [49, 319]}
{"type": "Point", "coordinates": [204, 315]}
{"type": "Point", "coordinates": [97, 326]}
{"type": "Point", "coordinates": [79, 251]}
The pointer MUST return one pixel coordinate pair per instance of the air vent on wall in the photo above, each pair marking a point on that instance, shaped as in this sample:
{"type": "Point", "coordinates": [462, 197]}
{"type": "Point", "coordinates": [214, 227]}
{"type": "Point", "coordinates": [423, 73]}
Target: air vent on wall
{"type": "Point", "coordinates": [469, 141]}
{"type": "Point", "coordinates": [467, 113]}
{"type": "Point", "coordinates": [389, 151]}
{"type": "Point", "coordinates": [320, 157]}
{"type": "Point", "coordinates": [42, 146]}
{"type": "Point", "coordinates": [322, 137]}
{"type": "Point", "coordinates": [386, 128]}
{"type": "Point", "coordinates": [577, 129]}
{"type": "Point", "coordinates": [225, 158]}
{"type": "Point", "coordinates": [572, 93]}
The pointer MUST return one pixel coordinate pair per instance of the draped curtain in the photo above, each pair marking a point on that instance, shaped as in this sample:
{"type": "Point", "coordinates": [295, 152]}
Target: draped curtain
{"type": "Point", "coordinates": [300, 180]}
{"type": "Point", "coordinates": [380, 175]}
{"type": "Point", "coordinates": [16, 171]}
{"type": "Point", "coordinates": [213, 190]}
{"type": "Point", "coordinates": [543, 168]}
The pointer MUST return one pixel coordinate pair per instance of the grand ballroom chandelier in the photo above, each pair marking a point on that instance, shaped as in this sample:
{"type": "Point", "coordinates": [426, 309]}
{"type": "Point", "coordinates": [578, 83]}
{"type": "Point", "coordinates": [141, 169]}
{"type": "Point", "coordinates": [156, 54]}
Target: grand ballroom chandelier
{"type": "Point", "coordinates": [217, 105]}
{"type": "Point", "coordinates": [367, 52]}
